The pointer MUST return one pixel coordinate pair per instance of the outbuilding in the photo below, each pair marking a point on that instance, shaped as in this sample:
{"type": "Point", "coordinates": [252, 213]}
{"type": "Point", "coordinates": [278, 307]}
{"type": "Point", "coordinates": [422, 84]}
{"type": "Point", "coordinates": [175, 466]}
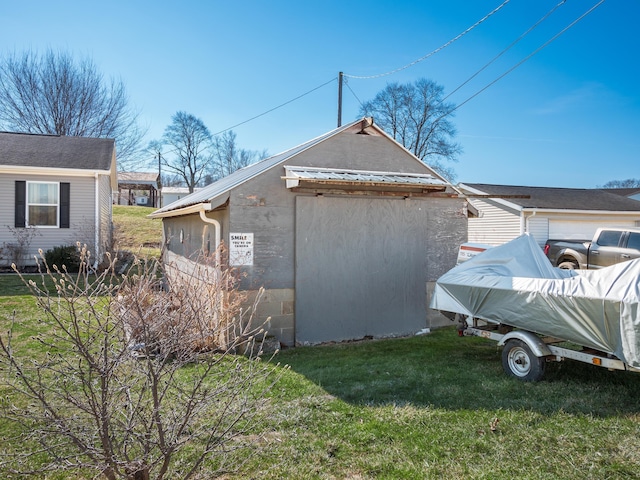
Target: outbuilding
{"type": "Point", "coordinates": [346, 233]}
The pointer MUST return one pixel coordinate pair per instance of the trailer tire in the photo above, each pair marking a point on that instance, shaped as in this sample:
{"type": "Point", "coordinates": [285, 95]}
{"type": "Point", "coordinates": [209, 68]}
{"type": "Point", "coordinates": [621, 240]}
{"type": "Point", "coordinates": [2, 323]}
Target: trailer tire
{"type": "Point", "coordinates": [519, 361]}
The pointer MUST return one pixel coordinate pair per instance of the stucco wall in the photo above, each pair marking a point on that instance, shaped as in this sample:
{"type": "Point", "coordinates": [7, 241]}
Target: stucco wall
{"type": "Point", "coordinates": [264, 207]}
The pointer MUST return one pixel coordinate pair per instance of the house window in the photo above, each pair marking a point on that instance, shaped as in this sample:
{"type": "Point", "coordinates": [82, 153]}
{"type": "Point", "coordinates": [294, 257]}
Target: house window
{"type": "Point", "coordinates": [43, 204]}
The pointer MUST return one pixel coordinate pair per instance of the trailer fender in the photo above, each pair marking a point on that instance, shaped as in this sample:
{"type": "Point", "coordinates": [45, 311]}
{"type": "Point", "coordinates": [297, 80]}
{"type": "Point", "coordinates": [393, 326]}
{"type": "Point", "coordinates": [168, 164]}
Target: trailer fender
{"type": "Point", "coordinates": [534, 342]}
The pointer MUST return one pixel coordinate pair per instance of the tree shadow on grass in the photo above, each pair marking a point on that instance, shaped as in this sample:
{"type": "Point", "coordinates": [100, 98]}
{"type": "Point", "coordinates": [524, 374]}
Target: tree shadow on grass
{"type": "Point", "coordinates": [445, 371]}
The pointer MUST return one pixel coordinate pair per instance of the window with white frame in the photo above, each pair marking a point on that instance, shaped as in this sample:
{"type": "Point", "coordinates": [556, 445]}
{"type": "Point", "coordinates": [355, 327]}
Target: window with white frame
{"type": "Point", "coordinates": [43, 204]}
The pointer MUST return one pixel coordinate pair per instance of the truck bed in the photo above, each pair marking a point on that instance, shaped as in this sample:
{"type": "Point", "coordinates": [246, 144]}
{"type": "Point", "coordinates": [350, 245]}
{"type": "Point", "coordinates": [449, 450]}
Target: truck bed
{"type": "Point", "coordinates": [515, 284]}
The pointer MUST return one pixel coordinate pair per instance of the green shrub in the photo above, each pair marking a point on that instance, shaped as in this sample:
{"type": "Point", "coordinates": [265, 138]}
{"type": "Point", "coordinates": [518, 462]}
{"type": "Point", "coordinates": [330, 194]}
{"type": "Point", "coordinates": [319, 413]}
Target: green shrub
{"type": "Point", "coordinates": [66, 255]}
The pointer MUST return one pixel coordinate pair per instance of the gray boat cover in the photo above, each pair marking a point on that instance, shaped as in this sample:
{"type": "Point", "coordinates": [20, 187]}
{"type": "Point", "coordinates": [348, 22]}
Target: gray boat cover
{"type": "Point", "coordinates": [515, 284]}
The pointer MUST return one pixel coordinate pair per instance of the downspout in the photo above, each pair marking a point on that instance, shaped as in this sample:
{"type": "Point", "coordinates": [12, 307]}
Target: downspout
{"type": "Point", "coordinates": [97, 227]}
{"type": "Point", "coordinates": [217, 228]}
{"type": "Point", "coordinates": [525, 221]}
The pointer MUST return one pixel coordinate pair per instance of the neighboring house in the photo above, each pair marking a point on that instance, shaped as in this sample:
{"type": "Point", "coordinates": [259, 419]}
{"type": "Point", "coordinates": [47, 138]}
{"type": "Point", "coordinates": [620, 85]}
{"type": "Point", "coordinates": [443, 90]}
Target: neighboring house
{"type": "Point", "coordinates": [60, 187]}
{"type": "Point", "coordinates": [138, 188]}
{"type": "Point", "coordinates": [347, 233]}
{"type": "Point", "coordinates": [173, 194]}
{"type": "Point", "coordinates": [633, 193]}
{"type": "Point", "coordinates": [503, 212]}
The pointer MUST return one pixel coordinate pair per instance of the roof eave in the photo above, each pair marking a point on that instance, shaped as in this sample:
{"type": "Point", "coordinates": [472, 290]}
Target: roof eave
{"type": "Point", "coordinates": [76, 172]}
{"type": "Point", "coordinates": [633, 213]}
{"type": "Point", "coordinates": [182, 211]}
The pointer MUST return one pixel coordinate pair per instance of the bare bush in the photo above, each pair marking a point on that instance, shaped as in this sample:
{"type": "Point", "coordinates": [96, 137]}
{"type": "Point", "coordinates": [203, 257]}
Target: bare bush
{"type": "Point", "coordinates": [16, 252]}
{"type": "Point", "coordinates": [136, 380]}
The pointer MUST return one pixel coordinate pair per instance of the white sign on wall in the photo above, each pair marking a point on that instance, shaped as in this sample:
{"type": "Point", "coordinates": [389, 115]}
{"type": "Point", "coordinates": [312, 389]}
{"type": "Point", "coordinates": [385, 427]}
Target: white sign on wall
{"type": "Point", "coordinates": [240, 249]}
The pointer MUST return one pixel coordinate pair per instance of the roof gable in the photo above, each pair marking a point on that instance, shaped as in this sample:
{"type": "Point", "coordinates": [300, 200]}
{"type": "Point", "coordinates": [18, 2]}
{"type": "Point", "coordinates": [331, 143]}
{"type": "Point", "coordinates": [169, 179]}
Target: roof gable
{"type": "Point", "coordinates": [220, 188]}
{"type": "Point", "coordinates": [557, 198]}
{"type": "Point", "coordinates": [56, 151]}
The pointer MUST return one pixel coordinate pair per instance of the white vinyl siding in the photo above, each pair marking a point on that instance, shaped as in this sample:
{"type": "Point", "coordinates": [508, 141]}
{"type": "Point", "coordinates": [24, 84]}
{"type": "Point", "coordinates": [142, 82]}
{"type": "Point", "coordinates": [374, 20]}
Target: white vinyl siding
{"type": "Point", "coordinates": [495, 226]}
{"type": "Point", "coordinates": [538, 228]}
{"type": "Point", "coordinates": [82, 213]}
{"type": "Point", "coordinates": [106, 210]}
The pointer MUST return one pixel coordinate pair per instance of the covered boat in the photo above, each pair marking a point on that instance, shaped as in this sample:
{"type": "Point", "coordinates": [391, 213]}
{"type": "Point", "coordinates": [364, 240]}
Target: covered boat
{"type": "Point", "coordinates": [515, 284]}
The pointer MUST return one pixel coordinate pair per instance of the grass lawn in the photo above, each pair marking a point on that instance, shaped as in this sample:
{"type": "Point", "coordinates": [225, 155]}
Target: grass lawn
{"type": "Point", "coordinates": [430, 407]}
{"type": "Point", "coordinates": [434, 406]}
{"type": "Point", "coordinates": [135, 232]}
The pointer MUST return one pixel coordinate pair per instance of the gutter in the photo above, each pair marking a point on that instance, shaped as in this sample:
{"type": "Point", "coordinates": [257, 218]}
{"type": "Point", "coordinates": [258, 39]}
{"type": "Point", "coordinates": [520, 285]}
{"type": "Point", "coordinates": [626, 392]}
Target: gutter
{"type": "Point", "coordinates": [69, 172]}
{"type": "Point", "coordinates": [182, 211]}
{"type": "Point", "coordinates": [586, 212]}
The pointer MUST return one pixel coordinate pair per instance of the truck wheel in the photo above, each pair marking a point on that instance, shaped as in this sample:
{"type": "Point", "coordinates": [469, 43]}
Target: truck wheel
{"type": "Point", "coordinates": [568, 265]}
{"type": "Point", "coordinates": [518, 361]}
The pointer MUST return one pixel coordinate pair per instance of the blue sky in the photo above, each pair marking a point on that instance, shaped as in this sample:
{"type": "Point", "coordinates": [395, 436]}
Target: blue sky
{"type": "Point", "coordinates": [569, 116]}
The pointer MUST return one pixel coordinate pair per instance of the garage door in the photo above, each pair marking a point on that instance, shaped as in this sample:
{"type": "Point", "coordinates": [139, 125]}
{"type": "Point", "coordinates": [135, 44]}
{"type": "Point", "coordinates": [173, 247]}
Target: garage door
{"type": "Point", "coordinates": [361, 267]}
{"type": "Point", "coordinates": [582, 230]}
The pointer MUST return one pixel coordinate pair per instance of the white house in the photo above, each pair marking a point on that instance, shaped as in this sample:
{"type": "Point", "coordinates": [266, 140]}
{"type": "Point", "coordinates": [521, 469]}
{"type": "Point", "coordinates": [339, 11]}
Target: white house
{"type": "Point", "coordinates": [58, 189]}
{"type": "Point", "coordinates": [504, 212]}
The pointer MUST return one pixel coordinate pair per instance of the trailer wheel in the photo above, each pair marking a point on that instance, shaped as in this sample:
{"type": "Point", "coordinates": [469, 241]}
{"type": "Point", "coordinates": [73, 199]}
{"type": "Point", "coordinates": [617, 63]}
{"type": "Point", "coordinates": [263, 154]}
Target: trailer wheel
{"type": "Point", "coordinates": [520, 362]}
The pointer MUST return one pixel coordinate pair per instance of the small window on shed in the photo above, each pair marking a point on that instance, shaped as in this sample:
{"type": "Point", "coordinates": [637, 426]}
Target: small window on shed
{"type": "Point", "coordinates": [609, 238]}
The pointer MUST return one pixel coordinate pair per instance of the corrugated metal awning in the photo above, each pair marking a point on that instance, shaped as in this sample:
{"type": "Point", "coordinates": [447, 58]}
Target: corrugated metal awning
{"type": "Point", "coordinates": [343, 177]}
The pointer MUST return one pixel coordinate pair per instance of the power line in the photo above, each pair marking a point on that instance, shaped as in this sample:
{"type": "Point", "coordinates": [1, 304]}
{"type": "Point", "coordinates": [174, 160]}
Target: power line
{"type": "Point", "coordinates": [275, 108]}
{"type": "Point", "coordinates": [459, 36]}
{"type": "Point", "coordinates": [535, 25]}
{"type": "Point", "coordinates": [432, 53]}
{"type": "Point", "coordinates": [252, 118]}
{"type": "Point", "coordinates": [545, 44]}
{"type": "Point", "coordinates": [353, 93]}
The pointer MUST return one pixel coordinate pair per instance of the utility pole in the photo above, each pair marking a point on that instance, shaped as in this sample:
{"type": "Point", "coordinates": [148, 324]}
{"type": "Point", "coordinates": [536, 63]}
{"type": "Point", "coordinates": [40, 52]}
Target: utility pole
{"type": "Point", "coordinates": [159, 180]}
{"type": "Point", "coordinates": [340, 80]}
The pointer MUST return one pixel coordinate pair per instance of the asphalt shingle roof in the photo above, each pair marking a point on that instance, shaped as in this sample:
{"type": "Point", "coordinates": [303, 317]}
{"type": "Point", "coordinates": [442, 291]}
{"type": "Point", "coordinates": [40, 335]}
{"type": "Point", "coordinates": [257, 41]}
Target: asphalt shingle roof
{"type": "Point", "coordinates": [55, 151]}
{"type": "Point", "coordinates": [560, 198]}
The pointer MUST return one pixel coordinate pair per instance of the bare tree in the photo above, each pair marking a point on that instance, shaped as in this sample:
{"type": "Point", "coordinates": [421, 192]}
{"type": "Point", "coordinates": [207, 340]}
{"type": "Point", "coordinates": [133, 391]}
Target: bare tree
{"type": "Point", "coordinates": [628, 183]}
{"type": "Point", "coordinates": [135, 381]}
{"type": "Point", "coordinates": [416, 116]}
{"type": "Point", "coordinates": [227, 157]}
{"type": "Point", "coordinates": [189, 155]}
{"type": "Point", "coordinates": [52, 94]}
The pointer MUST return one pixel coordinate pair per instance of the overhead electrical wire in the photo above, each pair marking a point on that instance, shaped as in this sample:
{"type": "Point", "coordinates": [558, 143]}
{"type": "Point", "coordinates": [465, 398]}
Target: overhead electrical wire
{"type": "Point", "coordinates": [529, 30]}
{"type": "Point", "coordinates": [254, 117]}
{"type": "Point", "coordinates": [457, 37]}
{"type": "Point", "coordinates": [545, 44]}
{"type": "Point", "coordinates": [275, 108]}
{"type": "Point", "coordinates": [495, 10]}
{"type": "Point", "coordinates": [498, 8]}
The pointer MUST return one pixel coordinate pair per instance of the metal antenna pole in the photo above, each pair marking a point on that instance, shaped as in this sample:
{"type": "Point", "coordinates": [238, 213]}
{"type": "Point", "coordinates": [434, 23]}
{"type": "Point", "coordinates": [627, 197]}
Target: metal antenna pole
{"type": "Point", "coordinates": [160, 180]}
